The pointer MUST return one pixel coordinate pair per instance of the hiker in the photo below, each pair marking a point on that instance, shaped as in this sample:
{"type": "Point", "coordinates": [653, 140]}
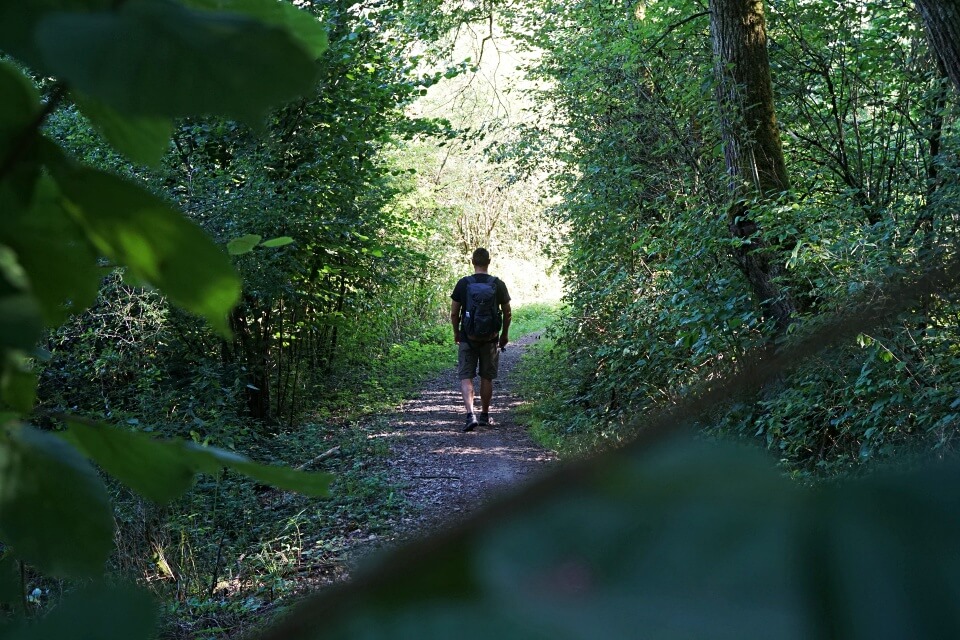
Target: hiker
{"type": "Point", "coordinates": [480, 314]}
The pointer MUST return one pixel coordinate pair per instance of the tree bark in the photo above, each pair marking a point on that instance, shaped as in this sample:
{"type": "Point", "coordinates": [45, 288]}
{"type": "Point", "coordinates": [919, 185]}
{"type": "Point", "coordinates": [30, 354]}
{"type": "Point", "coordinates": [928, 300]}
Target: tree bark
{"type": "Point", "coordinates": [251, 342]}
{"type": "Point", "coordinates": [942, 21]}
{"type": "Point", "coordinates": [752, 148]}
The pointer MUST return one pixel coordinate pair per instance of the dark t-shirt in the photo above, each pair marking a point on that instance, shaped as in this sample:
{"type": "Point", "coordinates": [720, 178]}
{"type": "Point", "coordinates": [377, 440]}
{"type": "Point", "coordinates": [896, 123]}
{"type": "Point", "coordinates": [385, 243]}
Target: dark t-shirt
{"type": "Point", "coordinates": [460, 291]}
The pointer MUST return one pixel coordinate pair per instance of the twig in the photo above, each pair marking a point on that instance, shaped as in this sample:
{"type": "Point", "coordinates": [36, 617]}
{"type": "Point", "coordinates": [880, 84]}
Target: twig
{"type": "Point", "coordinates": [329, 453]}
{"type": "Point", "coordinates": [216, 565]}
{"type": "Point", "coordinates": [223, 533]}
{"type": "Point", "coordinates": [675, 25]}
{"type": "Point", "coordinates": [23, 589]}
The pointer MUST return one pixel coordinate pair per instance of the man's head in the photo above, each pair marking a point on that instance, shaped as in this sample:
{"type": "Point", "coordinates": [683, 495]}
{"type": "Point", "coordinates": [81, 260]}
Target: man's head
{"type": "Point", "coordinates": [481, 258]}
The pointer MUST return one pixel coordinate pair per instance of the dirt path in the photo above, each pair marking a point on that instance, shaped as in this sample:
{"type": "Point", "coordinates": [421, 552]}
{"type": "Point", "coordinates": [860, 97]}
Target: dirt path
{"type": "Point", "coordinates": [446, 473]}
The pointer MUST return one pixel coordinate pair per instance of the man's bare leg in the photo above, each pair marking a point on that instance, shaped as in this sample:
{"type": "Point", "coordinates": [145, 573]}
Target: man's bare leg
{"type": "Point", "coordinates": [486, 394]}
{"type": "Point", "coordinates": [466, 388]}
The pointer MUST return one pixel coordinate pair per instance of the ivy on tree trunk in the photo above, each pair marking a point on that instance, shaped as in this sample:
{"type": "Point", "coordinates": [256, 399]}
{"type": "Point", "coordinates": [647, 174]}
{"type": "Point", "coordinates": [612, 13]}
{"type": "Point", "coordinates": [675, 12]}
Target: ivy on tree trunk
{"type": "Point", "coordinates": [752, 148]}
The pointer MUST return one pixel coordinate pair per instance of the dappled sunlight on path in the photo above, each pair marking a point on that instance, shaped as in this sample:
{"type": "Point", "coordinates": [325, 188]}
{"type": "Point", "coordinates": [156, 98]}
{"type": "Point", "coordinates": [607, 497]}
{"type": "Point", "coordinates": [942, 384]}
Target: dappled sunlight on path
{"type": "Point", "coordinates": [446, 473]}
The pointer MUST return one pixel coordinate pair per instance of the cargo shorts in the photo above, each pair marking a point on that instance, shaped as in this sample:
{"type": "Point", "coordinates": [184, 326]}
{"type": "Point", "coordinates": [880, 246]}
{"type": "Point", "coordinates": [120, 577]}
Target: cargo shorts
{"type": "Point", "coordinates": [484, 354]}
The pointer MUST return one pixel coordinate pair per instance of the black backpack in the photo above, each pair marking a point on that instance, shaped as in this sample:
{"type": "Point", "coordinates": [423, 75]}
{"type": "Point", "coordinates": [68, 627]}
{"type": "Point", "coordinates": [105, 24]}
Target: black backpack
{"type": "Point", "coordinates": [482, 318]}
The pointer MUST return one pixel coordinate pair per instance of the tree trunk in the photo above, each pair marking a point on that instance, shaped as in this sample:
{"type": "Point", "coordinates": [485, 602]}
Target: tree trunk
{"type": "Point", "coordinates": [752, 148]}
{"type": "Point", "coordinates": [252, 346]}
{"type": "Point", "coordinates": [942, 21]}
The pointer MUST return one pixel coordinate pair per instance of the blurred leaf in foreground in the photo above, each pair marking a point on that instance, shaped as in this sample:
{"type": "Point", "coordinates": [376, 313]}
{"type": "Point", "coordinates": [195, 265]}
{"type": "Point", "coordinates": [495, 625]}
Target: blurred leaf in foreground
{"type": "Point", "coordinates": [682, 542]}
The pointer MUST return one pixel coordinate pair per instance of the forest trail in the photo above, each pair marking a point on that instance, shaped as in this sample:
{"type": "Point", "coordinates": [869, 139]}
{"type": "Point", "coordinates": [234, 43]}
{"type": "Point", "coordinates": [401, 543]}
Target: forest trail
{"type": "Point", "coordinates": [446, 473]}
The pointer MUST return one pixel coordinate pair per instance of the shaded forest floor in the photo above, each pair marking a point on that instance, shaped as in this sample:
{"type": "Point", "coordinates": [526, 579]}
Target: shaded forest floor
{"type": "Point", "coordinates": [399, 475]}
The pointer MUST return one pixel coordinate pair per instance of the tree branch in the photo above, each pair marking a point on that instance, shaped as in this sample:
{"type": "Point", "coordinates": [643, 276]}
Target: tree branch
{"type": "Point", "coordinates": [674, 27]}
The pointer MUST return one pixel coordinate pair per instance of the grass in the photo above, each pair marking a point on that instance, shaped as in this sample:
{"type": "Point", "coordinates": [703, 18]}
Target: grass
{"type": "Point", "coordinates": [541, 379]}
{"type": "Point", "coordinates": [534, 317]}
{"type": "Point", "coordinates": [239, 549]}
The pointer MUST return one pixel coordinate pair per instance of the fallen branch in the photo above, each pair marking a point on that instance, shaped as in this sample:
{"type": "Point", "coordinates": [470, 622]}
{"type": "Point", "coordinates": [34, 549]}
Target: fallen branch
{"type": "Point", "coordinates": [329, 453]}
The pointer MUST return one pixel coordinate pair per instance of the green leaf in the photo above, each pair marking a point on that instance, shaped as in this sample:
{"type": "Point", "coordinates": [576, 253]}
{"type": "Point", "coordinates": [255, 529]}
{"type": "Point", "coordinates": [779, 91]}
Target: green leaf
{"type": "Point", "coordinates": [158, 470]}
{"type": "Point", "coordinates": [277, 242]}
{"type": "Point", "coordinates": [155, 242]}
{"type": "Point", "coordinates": [884, 559]}
{"type": "Point", "coordinates": [56, 256]}
{"type": "Point", "coordinates": [10, 587]}
{"type": "Point", "coordinates": [243, 244]}
{"type": "Point", "coordinates": [141, 139]}
{"type": "Point", "coordinates": [300, 23]}
{"type": "Point", "coordinates": [157, 58]}
{"type": "Point", "coordinates": [161, 470]}
{"type": "Point", "coordinates": [54, 510]}
{"type": "Point", "coordinates": [310, 484]}
{"type": "Point", "coordinates": [19, 106]}
{"type": "Point", "coordinates": [681, 544]}
{"type": "Point", "coordinates": [18, 387]}
{"type": "Point", "coordinates": [211, 460]}
{"type": "Point", "coordinates": [20, 321]}
{"type": "Point", "coordinates": [100, 612]}
{"type": "Point", "coordinates": [19, 19]}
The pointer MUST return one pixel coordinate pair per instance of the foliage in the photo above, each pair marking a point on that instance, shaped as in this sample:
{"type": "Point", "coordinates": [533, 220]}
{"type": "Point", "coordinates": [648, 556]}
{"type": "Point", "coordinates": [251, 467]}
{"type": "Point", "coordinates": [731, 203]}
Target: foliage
{"type": "Point", "coordinates": [533, 318]}
{"type": "Point", "coordinates": [308, 177]}
{"type": "Point", "coordinates": [338, 248]}
{"type": "Point", "coordinates": [467, 197]}
{"type": "Point", "coordinates": [66, 220]}
{"type": "Point", "coordinates": [656, 301]}
{"type": "Point", "coordinates": [227, 555]}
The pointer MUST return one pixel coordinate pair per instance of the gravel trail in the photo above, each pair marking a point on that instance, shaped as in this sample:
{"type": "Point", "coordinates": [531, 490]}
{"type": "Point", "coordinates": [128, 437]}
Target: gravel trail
{"type": "Point", "coordinates": [445, 473]}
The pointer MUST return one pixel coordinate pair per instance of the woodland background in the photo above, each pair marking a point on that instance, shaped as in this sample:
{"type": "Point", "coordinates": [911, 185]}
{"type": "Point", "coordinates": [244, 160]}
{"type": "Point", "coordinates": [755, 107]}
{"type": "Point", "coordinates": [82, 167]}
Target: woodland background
{"type": "Point", "coordinates": [240, 235]}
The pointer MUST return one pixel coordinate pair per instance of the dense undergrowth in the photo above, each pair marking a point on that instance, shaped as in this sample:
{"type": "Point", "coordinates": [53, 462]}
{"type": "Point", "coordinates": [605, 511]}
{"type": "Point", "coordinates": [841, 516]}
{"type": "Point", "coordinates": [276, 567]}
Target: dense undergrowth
{"type": "Point", "coordinates": [230, 549]}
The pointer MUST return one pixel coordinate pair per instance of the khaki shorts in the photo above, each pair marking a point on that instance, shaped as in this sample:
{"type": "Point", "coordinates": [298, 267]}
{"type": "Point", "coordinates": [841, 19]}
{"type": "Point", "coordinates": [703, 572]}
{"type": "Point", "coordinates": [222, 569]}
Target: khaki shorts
{"type": "Point", "coordinates": [485, 354]}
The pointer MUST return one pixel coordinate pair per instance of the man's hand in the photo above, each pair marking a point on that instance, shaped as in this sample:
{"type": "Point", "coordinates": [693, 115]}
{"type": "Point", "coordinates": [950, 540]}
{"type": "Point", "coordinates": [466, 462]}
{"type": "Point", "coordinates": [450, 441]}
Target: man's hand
{"type": "Point", "coordinates": [503, 341]}
{"type": "Point", "coordinates": [455, 320]}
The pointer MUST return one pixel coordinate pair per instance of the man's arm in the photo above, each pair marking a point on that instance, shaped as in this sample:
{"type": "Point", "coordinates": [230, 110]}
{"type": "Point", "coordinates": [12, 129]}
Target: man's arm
{"type": "Point", "coordinates": [505, 333]}
{"type": "Point", "coordinates": [455, 320]}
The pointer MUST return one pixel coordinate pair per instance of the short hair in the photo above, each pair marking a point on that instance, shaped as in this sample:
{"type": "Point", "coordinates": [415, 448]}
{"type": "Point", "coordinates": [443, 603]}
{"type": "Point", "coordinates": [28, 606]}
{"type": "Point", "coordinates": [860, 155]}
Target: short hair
{"type": "Point", "coordinates": [481, 257]}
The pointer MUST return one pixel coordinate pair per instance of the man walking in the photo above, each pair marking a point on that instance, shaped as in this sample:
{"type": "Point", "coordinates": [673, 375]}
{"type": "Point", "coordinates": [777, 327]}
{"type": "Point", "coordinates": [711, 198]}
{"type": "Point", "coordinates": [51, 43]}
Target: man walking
{"type": "Point", "coordinates": [480, 315]}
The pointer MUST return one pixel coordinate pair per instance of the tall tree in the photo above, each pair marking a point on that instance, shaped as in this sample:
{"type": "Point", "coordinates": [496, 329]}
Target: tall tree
{"type": "Point", "coordinates": [942, 21]}
{"type": "Point", "coordinates": [752, 147]}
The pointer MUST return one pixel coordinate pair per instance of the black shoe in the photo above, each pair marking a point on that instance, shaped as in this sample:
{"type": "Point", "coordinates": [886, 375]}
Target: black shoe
{"type": "Point", "coordinates": [471, 423]}
{"type": "Point", "coordinates": [484, 419]}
